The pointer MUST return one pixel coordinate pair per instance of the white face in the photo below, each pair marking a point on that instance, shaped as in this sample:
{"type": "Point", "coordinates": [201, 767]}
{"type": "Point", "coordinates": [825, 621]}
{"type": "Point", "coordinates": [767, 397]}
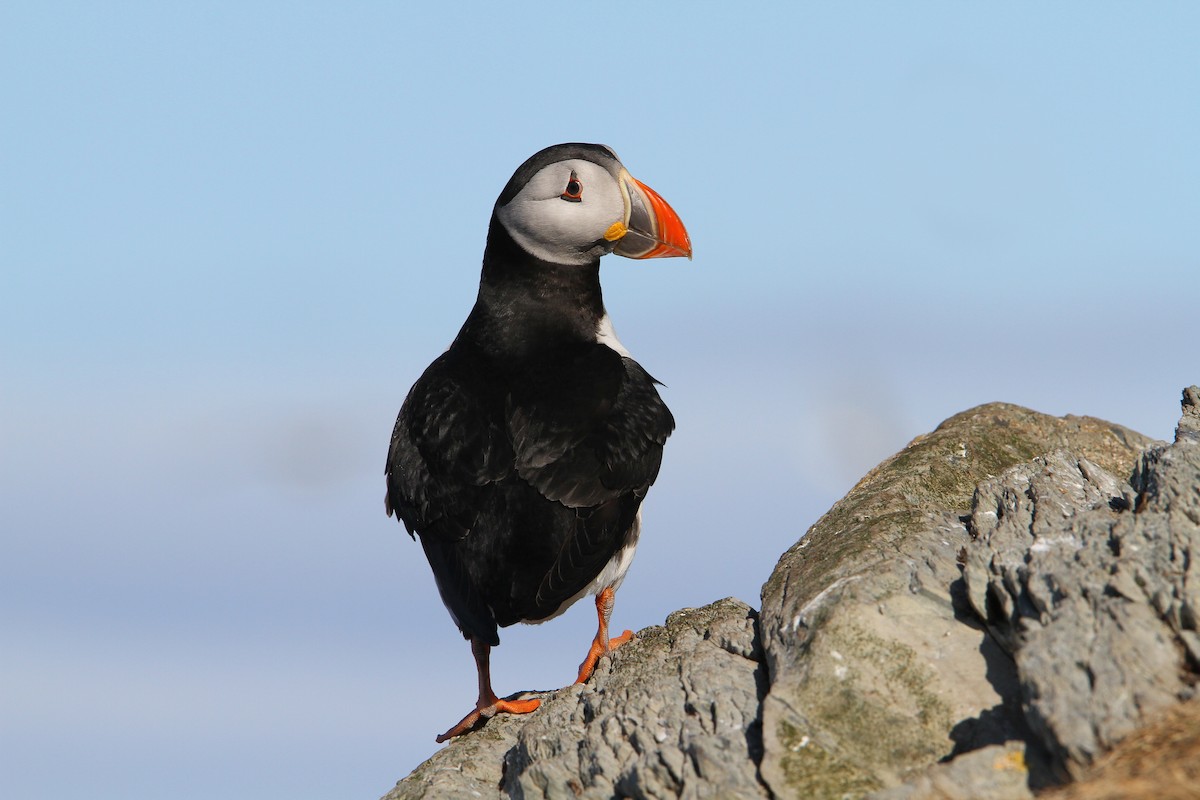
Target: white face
{"type": "Point", "coordinates": [563, 212]}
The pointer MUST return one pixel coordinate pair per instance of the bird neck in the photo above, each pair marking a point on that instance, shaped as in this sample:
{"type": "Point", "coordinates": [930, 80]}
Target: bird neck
{"type": "Point", "coordinates": [527, 306]}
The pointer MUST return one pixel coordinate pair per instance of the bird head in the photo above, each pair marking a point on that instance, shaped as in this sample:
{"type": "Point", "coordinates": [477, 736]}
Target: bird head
{"type": "Point", "coordinates": [572, 203]}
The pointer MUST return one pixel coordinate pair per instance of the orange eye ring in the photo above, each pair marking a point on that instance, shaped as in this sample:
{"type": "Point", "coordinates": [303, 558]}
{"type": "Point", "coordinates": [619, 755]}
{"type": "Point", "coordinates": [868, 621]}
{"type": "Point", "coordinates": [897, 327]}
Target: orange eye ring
{"type": "Point", "coordinates": [574, 190]}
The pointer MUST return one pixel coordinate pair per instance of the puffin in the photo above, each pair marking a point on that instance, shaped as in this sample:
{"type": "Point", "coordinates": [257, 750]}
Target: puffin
{"type": "Point", "coordinates": [521, 456]}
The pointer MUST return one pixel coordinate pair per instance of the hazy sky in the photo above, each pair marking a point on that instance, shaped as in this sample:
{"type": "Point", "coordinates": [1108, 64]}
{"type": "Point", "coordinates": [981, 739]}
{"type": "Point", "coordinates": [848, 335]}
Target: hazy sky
{"type": "Point", "coordinates": [232, 235]}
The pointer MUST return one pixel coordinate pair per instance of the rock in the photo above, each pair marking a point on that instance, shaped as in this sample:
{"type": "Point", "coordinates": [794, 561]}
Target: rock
{"type": "Point", "coordinates": [673, 713]}
{"type": "Point", "coordinates": [1188, 429]}
{"type": "Point", "coordinates": [1158, 762]}
{"type": "Point", "coordinates": [876, 672]}
{"type": "Point", "coordinates": [996, 772]}
{"type": "Point", "coordinates": [1093, 585]}
{"type": "Point", "coordinates": [468, 767]}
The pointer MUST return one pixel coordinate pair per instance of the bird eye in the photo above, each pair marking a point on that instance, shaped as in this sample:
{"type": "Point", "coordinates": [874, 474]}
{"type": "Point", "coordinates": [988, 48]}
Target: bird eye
{"type": "Point", "coordinates": [574, 190]}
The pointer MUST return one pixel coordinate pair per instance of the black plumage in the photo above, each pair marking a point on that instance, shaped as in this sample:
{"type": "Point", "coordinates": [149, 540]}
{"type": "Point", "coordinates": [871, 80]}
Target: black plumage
{"type": "Point", "coordinates": [522, 454]}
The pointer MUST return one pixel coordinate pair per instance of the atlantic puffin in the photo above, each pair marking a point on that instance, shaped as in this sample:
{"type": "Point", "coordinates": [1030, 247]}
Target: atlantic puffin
{"type": "Point", "coordinates": [521, 456]}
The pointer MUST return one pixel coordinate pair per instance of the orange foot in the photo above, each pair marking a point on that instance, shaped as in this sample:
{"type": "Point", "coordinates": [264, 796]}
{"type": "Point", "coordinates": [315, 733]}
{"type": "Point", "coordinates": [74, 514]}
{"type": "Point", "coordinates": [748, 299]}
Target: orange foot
{"type": "Point", "coordinates": [484, 713]}
{"type": "Point", "coordinates": [600, 648]}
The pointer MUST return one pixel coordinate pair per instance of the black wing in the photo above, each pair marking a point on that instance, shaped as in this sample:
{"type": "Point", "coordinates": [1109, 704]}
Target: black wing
{"type": "Point", "coordinates": [588, 427]}
{"type": "Point", "coordinates": [588, 432]}
{"type": "Point", "coordinates": [446, 450]}
{"type": "Point", "coordinates": [446, 445]}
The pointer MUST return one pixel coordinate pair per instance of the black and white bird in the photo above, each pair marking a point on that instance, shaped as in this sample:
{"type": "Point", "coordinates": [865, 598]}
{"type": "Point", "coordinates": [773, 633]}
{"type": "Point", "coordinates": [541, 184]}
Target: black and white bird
{"type": "Point", "coordinates": [521, 456]}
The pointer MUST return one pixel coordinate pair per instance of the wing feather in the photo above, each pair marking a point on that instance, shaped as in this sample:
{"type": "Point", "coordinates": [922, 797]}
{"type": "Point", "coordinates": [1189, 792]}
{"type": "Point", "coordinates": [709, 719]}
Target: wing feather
{"type": "Point", "coordinates": [445, 448]}
{"type": "Point", "coordinates": [589, 428]}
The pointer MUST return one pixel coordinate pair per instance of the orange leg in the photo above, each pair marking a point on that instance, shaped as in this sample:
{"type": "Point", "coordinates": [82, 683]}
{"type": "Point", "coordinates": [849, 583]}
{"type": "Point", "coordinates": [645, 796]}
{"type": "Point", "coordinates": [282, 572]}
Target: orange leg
{"type": "Point", "coordinates": [601, 645]}
{"type": "Point", "coordinates": [488, 704]}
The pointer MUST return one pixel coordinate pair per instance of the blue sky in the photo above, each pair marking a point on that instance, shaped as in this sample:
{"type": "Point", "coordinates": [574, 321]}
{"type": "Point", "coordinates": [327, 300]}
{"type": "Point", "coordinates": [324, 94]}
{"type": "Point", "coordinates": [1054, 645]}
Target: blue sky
{"type": "Point", "coordinates": [232, 235]}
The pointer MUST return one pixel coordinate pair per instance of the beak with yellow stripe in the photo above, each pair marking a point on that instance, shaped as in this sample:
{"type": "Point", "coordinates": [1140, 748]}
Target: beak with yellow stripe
{"type": "Point", "coordinates": [652, 228]}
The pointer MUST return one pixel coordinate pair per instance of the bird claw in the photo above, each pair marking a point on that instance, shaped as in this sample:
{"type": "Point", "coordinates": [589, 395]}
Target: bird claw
{"type": "Point", "coordinates": [481, 715]}
{"type": "Point", "coordinates": [613, 644]}
{"type": "Point", "coordinates": [596, 652]}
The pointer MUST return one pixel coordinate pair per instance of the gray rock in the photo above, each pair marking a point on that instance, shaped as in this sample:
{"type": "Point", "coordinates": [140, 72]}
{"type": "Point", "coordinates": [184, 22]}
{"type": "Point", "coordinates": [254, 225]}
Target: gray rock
{"type": "Point", "coordinates": [875, 671]}
{"type": "Point", "coordinates": [674, 715]}
{"type": "Point", "coordinates": [996, 772]}
{"type": "Point", "coordinates": [468, 767]}
{"type": "Point", "coordinates": [1188, 429]}
{"type": "Point", "coordinates": [1093, 585]}
{"type": "Point", "coordinates": [1160, 761]}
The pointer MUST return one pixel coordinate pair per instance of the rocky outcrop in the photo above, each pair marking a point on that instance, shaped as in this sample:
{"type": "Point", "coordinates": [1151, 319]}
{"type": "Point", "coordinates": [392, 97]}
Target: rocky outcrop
{"type": "Point", "coordinates": [877, 671]}
{"type": "Point", "coordinates": [676, 717]}
{"type": "Point", "coordinates": [1093, 585]}
{"type": "Point", "coordinates": [673, 714]}
{"type": "Point", "coordinates": [941, 632]}
{"type": "Point", "coordinates": [1160, 761]}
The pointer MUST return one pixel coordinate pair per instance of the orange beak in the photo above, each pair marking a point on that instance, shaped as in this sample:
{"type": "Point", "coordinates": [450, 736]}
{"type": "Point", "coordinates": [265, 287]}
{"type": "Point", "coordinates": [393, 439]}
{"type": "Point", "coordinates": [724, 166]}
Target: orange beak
{"type": "Point", "coordinates": [654, 230]}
